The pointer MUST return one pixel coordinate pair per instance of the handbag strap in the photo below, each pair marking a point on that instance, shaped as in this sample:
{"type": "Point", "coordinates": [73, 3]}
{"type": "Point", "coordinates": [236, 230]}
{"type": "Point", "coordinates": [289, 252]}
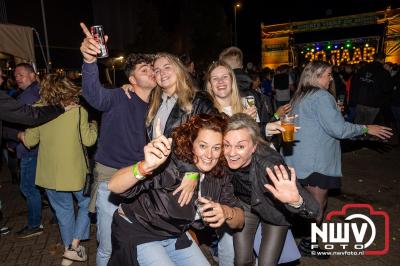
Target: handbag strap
{"type": "Point", "coordinates": [85, 154]}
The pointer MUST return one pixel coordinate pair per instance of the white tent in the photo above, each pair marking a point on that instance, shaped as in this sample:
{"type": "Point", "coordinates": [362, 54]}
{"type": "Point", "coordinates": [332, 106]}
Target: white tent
{"type": "Point", "coordinates": [18, 42]}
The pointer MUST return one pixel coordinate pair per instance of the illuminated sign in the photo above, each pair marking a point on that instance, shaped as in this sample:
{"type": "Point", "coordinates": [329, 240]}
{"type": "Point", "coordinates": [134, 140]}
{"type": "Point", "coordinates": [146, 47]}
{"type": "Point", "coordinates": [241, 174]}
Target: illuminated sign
{"type": "Point", "coordinates": [338, 56]}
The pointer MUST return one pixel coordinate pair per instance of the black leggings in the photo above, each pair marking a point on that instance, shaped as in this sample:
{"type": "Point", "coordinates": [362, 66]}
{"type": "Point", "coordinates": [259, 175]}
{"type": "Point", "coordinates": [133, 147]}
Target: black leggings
{"type": "Point", "coordinates": [273, 239]}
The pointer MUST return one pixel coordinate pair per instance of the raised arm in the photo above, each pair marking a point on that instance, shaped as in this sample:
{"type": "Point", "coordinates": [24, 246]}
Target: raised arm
{"type": "Point", "coordinates": [155, 154]}
{"type": "Point", "coordinates": [94, 93]}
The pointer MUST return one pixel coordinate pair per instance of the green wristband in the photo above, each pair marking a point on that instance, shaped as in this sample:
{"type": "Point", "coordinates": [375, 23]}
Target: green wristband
{"type": "Point", "coordinates": [276, 116]}
{"type": "Point", "coordinates": [365, 130]}
{"type": "Point", "coordinates": [192, 175]}
{"type": "Point", "coordinates": [136, 173]}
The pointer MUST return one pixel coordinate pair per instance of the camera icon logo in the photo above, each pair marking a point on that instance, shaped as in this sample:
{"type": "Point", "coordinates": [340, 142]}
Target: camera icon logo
{"type": "Point", "coordinates": [348, 234]}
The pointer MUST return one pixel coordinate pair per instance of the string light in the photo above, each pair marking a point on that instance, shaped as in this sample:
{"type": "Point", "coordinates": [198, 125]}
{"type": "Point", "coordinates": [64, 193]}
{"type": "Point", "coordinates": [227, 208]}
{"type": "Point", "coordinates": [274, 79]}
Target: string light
{"type": "Point", "coordinates": [357, 56]}
{"type": "Point", "coordinates": [318, 55]}
{"type": "Point", "coordinates": [368, 54]}
{"type": "Point", "coordinates": [345, 56]}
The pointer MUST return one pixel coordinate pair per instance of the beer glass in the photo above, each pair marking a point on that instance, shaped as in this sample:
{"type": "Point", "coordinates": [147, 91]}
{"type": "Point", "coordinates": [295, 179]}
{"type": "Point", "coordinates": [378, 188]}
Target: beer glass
{"type": "Point", "coordinates": [287, 122]}
{"type": "Point", "coordinates": [199, 208]}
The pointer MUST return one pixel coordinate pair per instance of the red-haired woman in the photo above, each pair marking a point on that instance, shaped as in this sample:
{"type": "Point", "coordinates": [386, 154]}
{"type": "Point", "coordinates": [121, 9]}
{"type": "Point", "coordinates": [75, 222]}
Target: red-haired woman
{"type": "Point", "coordinates": [153, 224]}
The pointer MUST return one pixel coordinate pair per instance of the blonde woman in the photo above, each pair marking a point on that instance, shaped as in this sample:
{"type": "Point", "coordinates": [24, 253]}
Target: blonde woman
{"type": "Point", "coordinates": [61, 167]}
{"type": "Point", "coordinates": [175, 98]}
{"type": "Point", "coordinates": [222, 86]}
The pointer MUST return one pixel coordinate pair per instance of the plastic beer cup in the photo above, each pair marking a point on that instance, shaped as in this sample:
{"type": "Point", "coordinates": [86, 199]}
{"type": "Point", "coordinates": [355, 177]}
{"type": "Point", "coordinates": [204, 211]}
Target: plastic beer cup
{"type": "Point", "coordinates": [287, 122]}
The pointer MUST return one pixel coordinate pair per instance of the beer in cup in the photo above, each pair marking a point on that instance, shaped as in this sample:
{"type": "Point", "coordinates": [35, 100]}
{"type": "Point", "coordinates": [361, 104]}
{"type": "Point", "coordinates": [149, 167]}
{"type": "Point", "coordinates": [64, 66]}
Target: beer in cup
{"type": "Point", "coordinates": [287, 122]}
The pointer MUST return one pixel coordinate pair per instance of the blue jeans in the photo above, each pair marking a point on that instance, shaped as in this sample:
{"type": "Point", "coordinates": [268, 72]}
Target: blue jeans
{"type": "Point", "coordinates": [164, 253]}
{"type": "Point", "coordinates": [226, 253]}
{"type": "Point", "coordinates": [71, 227]}
{"type": "Point", "coordinates": [30, 191]}
{"type": "Point", "coordinates": [106, 205]}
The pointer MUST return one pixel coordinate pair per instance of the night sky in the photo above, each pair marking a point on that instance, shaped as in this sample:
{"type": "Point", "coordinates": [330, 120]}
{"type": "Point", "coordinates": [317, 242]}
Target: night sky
{"type": "Point", "coordinates": [201, 28]}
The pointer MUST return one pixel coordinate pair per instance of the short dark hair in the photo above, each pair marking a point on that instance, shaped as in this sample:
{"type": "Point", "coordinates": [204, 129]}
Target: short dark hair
{"type": "Point", "coordinates": [135, 59]}
{"type": "Point", "coordinates": [27, 66]}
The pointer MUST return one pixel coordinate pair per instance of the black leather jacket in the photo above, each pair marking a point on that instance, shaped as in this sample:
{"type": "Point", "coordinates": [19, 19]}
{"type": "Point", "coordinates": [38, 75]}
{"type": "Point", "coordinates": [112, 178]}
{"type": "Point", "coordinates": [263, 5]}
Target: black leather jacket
{"type": "Point", "coordinates": [263, 202]}
{"type": "Point", "coordinates": [202, 104]}
{"type": "Point", "coordinates": [15, 112]}
{"type": "Point", "coordinates": [156, 209]}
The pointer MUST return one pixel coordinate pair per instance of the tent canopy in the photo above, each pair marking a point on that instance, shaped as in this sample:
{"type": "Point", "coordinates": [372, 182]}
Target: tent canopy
{"type": "Point", "coordinates": [17, 41]}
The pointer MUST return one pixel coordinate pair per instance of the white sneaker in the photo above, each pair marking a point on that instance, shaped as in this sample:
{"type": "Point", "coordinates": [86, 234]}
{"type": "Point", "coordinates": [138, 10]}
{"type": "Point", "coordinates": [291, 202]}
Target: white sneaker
{"type": "Point", "coordinates": [66, 262]}
{"type": "Point", "coordinates": [76, 254]}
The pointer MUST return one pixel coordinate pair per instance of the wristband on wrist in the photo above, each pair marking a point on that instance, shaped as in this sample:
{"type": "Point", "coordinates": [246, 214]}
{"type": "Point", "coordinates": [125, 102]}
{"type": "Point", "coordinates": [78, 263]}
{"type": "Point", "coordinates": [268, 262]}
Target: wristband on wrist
{"type": "Point", "coordinates": [192, 176]}
{"type": "Point", "coordinates": [276, 116]}
{"type": "Point", "coordinates": [141, 170]}
{"type": "Point", "coordinates": [136, 172]}
{"type": "Point", "coordinates": [365, 130]}
{"type": "Point", "coordinates": [297, 205]}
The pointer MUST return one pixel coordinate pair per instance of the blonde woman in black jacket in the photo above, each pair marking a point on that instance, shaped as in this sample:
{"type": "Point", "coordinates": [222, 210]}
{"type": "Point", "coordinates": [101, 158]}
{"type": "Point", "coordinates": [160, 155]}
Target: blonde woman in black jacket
{"type": "Point", "coordinates": [268, 192]}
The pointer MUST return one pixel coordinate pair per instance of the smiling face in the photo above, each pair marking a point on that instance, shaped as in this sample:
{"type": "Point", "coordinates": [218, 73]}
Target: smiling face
{"type": "Point", "coordinates": [165, 74]}
{"type": "Point", "coordinates": [325, 78]}
{"type": "Point", "coordinates": [207, 149]}
{"type": "Point", "coordinates": [238, 148]}
{"type": "Point", "coordinates": [221, 83]}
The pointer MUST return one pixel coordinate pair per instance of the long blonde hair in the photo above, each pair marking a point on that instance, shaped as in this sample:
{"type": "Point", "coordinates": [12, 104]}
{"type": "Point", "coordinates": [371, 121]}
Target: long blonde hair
{"type": "Point", "coordinates": [185, 89]}
{"type": "Point", "coordinates": [234, 98]}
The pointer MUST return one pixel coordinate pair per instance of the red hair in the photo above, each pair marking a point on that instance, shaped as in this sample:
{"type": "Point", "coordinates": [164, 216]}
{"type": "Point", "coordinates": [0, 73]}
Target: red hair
{"type": "Point", "coordinates": [185, 135]}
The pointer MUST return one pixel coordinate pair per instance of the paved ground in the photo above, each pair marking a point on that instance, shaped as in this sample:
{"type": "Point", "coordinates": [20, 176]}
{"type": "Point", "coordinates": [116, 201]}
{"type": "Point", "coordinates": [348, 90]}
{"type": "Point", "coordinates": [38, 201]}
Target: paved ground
{"type": "Point", "coordinates": [371, 176]}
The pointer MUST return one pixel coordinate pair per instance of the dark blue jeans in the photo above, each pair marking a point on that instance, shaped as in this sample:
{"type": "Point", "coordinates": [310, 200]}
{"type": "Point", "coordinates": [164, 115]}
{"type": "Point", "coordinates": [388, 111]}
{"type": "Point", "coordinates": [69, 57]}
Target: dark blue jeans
{"type": "Point", "coordinates": [30, 191]}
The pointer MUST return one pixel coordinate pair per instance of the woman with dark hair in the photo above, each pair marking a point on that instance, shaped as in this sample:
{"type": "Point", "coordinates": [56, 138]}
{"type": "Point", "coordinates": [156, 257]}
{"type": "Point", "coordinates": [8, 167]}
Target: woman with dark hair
{"type": "Point", "coordinates": [318, 166]}
{"type": "Point", "coordinates": [152, 228]}
{"type": "Point", "coordinates": [266, 201]}
{"type": "Point", "coordinates": [61, 166]}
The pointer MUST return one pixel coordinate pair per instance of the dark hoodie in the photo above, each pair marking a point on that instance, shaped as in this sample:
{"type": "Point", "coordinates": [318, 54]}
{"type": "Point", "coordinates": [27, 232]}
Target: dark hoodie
{"type": "Point", "coordinates": [264, 109]}
{"type": "Point", "coordinates": [371, 84]}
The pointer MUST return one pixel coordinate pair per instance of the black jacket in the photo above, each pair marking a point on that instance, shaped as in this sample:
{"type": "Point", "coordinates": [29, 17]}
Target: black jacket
{"type": "Point", "coordinates": [370, 85]}
{"type": "Point", "coordinates": [263, 202]}
{"type": "Point", "coordinates": [396, 90]}
{"type": "Point", "coordinates": [15, 112]}
{"type": "Point", "coordinates": [202, 104]}
{"type": "Point", "coordinates": [156, 209]}
{"type": "Point", "coordinates": [264, 109]}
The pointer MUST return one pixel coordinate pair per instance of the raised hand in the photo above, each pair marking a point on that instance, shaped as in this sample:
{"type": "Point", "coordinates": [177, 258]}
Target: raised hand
{"type": "Point", "coordinates": [283, 188]}
{"type": "Point", "coordinates": [251, 111]}
{"type": "Point", "coordinates": [284, 109]}
{"type": "Point", "coordinates": [157, 151]}
{"type": "Point", "coordinates": [89, 47]}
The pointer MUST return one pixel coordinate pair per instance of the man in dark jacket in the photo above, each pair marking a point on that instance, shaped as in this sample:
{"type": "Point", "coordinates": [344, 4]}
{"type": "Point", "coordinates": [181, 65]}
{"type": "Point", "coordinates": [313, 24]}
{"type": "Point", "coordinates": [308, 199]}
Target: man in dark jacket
{"type": "Point", "coordinates": [15, 112]}
{"type": "Point", "coordinates": [25, 77]}
{"type": "Point", "coordinates": [371, 84]}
